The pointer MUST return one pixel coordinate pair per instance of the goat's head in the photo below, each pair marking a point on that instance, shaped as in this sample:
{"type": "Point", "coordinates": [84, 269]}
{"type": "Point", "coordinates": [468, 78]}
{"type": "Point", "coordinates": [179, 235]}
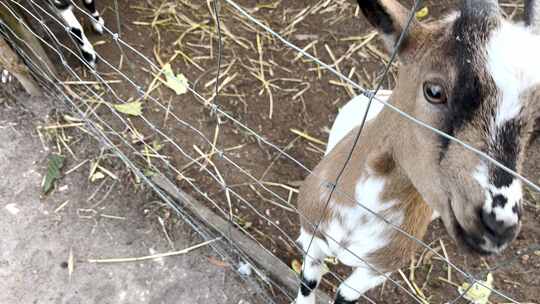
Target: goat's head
{"type": "Point", "coordinates": [475, 76]}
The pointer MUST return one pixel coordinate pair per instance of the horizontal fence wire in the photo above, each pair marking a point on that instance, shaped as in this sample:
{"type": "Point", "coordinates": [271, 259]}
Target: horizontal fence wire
{"type": "Point", "coordinates": [96, 123]}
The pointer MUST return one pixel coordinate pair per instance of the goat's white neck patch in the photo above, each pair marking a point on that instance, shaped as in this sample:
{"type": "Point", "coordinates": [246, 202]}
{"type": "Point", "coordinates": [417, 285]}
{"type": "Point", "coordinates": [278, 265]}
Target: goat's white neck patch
{"type": "Point", "coordinates": [514, 64]}
{"type": "Point", "coordinates": [350, 116]}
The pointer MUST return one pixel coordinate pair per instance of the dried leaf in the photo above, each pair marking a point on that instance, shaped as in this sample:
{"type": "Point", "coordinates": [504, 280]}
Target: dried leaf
{"type": "Point", "coordinates": [325, 269]}
{"type": "Point", "coordinates": [296, 266]}
{"type": "Point", "coordinates": [217, 262]}
{"type": "Point", "coordinates": [157, 145]}
{"type": "Point", "coordinates": [96, 176]}
{"type": "Point", "coordinates": [131, 108]}
{"type": "Point", "coordinates": [178, 83]}
{"type": "Point", "coordinates": [478, 294]}
{"type": "Point", "coordinates": [55, 163]}
{"type": "Point", "coordinates": [72, 119]}
{"type": "Point", "coordinates": [148, 173]}
{"type": "Point", "coordinates": [268, 5]}
{"type": "Point", "coordinates": [422, 13]}
{"type": "Point", "coordinates": [331, 260]}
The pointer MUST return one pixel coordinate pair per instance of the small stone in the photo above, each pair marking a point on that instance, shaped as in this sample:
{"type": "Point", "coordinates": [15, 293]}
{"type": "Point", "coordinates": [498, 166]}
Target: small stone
{"type": "Point", "coordinates": [537, 253]}
{"type": "Point", "coordinates": [525, 258]}
{"type": "Point", "coordinates": [244, 269]}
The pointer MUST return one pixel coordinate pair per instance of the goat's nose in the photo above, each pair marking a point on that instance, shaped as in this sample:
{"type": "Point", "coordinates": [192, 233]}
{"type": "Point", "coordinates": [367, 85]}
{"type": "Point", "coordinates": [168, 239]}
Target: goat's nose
{"type": "Point", "coordinates": [499, 232]}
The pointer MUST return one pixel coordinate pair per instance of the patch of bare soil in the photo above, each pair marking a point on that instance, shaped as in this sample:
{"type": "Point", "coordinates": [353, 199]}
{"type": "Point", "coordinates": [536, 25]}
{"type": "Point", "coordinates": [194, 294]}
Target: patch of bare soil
{"type": "Point", "coordinates": [48, 240]}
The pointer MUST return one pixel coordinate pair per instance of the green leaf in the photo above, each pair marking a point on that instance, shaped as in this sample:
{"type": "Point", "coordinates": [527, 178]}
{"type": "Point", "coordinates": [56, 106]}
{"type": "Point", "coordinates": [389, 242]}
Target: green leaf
{"type": "Point", "coordinates": [55, 164]}
{"type": "Point", "coordinates": [131, 108]}
{"type": "Point", "coordinates": [178, 83]}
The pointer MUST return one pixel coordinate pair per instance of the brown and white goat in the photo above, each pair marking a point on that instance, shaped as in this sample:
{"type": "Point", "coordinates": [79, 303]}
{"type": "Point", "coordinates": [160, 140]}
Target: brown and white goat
{"type": "Point", "coordinates": [473, 75]}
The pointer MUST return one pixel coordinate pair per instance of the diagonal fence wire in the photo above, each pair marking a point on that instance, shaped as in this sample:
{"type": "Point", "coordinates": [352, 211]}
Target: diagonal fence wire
{"type": "Point", "coordinates": [202, 99]}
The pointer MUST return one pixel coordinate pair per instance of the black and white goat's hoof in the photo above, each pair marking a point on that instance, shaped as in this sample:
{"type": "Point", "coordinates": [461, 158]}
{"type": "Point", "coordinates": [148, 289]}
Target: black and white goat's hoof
{"type": "Point", "coordinates": [5, 76]}
{"type": "Point", "coordinates": [98, 24]}
{"type": "Point", "coordinates": [90, 58]}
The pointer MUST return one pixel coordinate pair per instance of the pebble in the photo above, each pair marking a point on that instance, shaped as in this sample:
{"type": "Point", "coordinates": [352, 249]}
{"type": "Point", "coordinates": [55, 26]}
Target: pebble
{"type": "Point", "coordinates": [244, 269]}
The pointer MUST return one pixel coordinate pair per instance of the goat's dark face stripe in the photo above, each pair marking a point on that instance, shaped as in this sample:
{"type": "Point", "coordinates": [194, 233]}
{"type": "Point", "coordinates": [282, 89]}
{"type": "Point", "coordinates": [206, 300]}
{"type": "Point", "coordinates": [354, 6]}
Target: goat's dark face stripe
{"type": "Point", "coordinates": [505, 147]}
{"type": "Point", "coordinates": [468, 37]}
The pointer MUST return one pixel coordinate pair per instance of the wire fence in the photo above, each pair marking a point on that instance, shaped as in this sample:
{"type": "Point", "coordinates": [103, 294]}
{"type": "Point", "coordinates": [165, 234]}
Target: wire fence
{"type": "Point", "coordinates": [175, 148]}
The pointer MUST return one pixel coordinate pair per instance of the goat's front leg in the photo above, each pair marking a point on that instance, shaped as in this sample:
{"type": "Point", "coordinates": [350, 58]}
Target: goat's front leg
{"type": "Point", "coordinates": [312, 268]}
{"type": "Point", "coordinates": [97, 21]}
{"type": "Point", "coordinates": [361, 280]}
{"type": "Point", "coordinates": [64, 9]}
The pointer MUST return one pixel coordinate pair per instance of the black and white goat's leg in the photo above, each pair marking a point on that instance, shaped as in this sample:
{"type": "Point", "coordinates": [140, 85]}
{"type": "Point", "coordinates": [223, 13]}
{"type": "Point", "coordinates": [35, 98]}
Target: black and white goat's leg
{"type": "Point", "coordinates": [64, 9]}
{"type": "Point", "coordinates": [361, 280]}
{"type": "Point", "coordinates": [312, 268]}
{"type": "Point", "coordinates": [5, 76]}
{"type": "Point", "coordinates": [97, 21]}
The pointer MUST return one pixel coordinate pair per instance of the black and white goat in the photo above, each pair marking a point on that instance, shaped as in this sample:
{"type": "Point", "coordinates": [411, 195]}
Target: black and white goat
{"type": "Point", "coordinates": [64, 9]}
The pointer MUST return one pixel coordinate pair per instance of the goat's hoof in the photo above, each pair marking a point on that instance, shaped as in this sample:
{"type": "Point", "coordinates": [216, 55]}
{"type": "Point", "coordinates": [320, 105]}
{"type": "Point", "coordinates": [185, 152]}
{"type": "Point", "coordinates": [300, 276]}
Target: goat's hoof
{"type": "Point", "coordinates": [90, 59]}
{"type": "Point", "coordinates": [98, 25]}
{"type": "Point", "coordinates": [341, 300]}
{"type": "Point", "coordinates": [6, 76]}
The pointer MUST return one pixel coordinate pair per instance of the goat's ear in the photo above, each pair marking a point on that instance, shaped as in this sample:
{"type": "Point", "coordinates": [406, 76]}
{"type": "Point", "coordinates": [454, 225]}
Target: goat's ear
{"type": "Point", "coordinates": [532, 15]}
{"type": "Point", "coordinates": [390, 19]}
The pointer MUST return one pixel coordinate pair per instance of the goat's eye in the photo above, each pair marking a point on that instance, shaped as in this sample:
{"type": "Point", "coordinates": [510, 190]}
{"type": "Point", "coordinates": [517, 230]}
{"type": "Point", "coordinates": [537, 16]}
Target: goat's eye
{"type": "Point", "coordinates": [434, 93]}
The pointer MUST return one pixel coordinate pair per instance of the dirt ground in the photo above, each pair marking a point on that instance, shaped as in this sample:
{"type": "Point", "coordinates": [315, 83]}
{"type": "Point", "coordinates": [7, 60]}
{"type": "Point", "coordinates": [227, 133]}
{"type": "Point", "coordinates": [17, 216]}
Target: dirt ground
{"type": "Point", "coordinates": [38, 235]}
{"type": "Point", "coordinates": [268, 88]}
